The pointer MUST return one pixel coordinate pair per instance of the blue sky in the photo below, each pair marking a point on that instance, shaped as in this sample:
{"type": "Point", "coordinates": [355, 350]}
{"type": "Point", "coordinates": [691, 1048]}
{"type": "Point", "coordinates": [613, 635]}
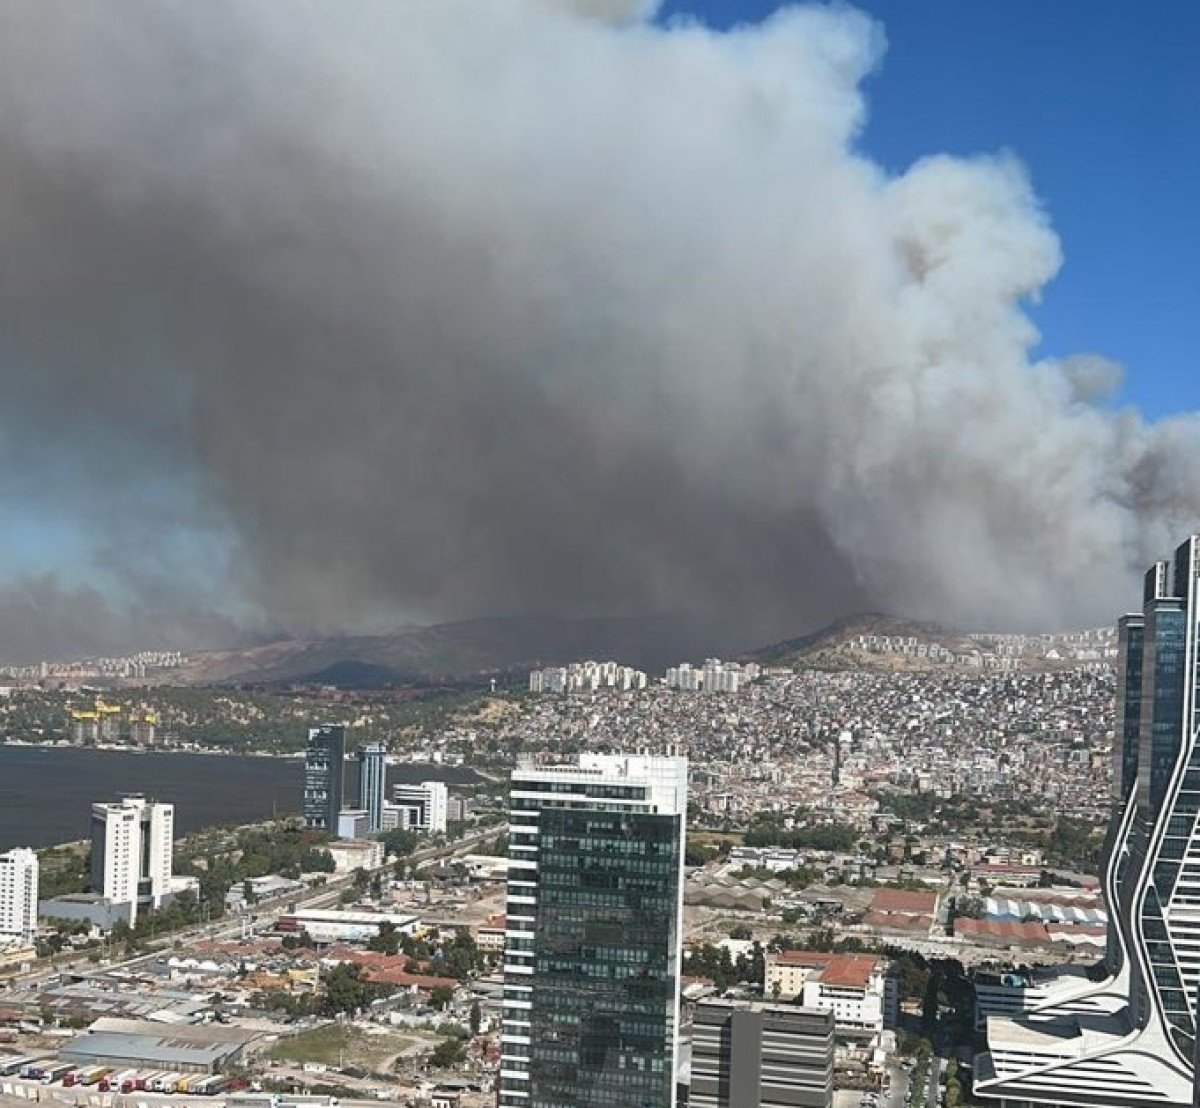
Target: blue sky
{"type": "Point", "coordinates": [1101, 100]}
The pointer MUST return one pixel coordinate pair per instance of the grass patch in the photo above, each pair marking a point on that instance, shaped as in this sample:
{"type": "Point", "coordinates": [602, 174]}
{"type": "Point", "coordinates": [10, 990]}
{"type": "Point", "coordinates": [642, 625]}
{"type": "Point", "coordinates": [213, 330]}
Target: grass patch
{"type": "Point", "coordinates": [337, 1045]}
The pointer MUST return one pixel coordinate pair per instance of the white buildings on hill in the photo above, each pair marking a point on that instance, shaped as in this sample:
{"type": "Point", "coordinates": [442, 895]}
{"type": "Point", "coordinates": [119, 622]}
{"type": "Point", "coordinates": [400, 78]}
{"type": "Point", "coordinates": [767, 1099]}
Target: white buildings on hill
{"type": "Point", "coordinates": [587, 677]}
{"type": "Point", "coordinates": [714, 676]}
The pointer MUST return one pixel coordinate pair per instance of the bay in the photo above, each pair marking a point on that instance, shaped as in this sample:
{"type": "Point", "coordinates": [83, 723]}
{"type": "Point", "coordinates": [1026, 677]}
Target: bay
{"type": "Point", "coordinates": [46, 793]}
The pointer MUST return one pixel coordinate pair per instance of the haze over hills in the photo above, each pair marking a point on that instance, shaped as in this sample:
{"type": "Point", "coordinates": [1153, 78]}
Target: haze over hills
{"type": "Point", "coordinates": [479, 647]}
{"type": "Point", "coordinates": [462, 649]}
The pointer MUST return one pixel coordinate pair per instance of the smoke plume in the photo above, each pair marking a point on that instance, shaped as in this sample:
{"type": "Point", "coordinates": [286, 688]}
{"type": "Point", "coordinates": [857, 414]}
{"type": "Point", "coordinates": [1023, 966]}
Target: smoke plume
{"type": "Point", "coordinates": [420, 310]}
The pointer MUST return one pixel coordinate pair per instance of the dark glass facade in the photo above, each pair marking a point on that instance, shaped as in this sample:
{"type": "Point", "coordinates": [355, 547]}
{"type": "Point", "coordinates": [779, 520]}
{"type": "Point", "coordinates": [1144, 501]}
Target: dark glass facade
{"type": "Point", "coordinates": [606, 959]}
{"type": "Point", "coordinates": [324, 765]}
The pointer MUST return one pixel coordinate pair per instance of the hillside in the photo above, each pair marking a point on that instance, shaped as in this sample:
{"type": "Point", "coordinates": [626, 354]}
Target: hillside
{"type": "Point", "coordinates": [886, 643]}
{"type": "Point", "coordinates": [459, 650]}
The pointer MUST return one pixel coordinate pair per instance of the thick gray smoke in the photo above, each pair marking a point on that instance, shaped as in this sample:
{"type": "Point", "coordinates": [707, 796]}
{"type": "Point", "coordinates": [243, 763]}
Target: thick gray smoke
{"type": "Point", "coordinates": [428, 309]}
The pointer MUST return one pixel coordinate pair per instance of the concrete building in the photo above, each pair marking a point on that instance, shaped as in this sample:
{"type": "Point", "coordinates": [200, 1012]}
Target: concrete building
{"type": "Point", "coordinates": [372, 783]}
{"type": "Point", "coordinates": [858, 989]}
{"type": "Point", "coordinates": [353, 823]}
{"type": "Point", "coordinates": [18, 895]}
{"type": "Point", "coordinates": [324, 766]}
{"type": "Point", "coordinates": [421, 807]}
{"type": "Point", "coordinates": [132, 846]}
{"type": "Point", "coordinates": [746, 1054]}
{"type": "Point", "coordinates": [595, 896]}
{"type": "Point", "coordinates": [351, 854]}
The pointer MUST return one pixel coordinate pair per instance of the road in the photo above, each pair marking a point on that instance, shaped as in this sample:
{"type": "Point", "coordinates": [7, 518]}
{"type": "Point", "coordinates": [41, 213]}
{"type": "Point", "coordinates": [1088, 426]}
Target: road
{"type": "Point", "coordinates": [898, 1097]}
{"type": "Point", "coordinates": [936, 1066]}
{"type": "Point", "coordinates": [263, 916]}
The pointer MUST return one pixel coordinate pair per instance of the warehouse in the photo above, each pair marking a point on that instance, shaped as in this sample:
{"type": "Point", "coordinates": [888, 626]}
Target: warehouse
{"type": "Point", "coordinates": [141, 1044]}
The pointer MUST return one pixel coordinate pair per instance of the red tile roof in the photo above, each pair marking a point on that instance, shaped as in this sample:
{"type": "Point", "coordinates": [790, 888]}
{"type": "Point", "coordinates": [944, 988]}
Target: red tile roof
{"type": "Point", "coordinates": [910, 901]}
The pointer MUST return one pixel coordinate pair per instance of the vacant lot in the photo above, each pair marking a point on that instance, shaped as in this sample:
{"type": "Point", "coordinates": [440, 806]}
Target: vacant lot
{"type": "Point", "coordinates": [338, 1045]}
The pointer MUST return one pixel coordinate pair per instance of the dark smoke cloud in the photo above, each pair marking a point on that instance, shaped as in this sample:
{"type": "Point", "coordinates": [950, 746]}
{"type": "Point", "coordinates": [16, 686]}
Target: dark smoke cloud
{"type": "Point", "coordinates": [426, 310]}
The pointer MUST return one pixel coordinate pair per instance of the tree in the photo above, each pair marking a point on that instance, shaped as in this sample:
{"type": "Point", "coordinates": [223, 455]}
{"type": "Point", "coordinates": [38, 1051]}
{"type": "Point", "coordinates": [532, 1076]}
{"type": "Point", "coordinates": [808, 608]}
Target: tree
{"type": "Point", "coordinates": [386, 940]}
{"type": "Point", "coordinates": [347, 989]}
{"type": "Point", "coordinates": [475, 1018]}
{"type": "Point", "coordinates": [449, 1052]}
{"type": "Point", "coordinates": [440, 996]}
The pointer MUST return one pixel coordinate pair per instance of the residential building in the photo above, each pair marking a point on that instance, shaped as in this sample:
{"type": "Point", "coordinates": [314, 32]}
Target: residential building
{"type": "Point", "coordinates": [594, 916]}
{"type": "Point", "coordinates": [421, 807]}
{"type": "Point", "coordinates": [324, 765]}
{"type": "Point", "coordinates": [747, 1054]}
{"type": "Point", "coordinates": [372, 783]}
{"type": "Point", "coordinates": [859, 989]}
{"type": "Point", "coordinates": [18, 895]}
{"type": "Point", "coordinates": [1131, 1039]}
{"type": "Point", "coordinates": [133, 843]}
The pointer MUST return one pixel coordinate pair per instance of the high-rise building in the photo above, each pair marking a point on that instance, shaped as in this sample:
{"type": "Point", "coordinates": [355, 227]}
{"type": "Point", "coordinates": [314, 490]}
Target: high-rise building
{"type": "Point", "coordinates": [592, 957]}
{"type": "Point", "coordinates": [19, 895]}
{"type": "Point", "coordinates": [747, 1054]}
{"type": "Point", "coordinates": [324, 765]}
{"type": "Point", "coordinates": [1130, 1039]}
{"type": "Point", "coordinates": [421, 807]}
{"type": "Point", "coordinates": [133, 842]}
{"type": "Point", "coordinates": [372, 783]}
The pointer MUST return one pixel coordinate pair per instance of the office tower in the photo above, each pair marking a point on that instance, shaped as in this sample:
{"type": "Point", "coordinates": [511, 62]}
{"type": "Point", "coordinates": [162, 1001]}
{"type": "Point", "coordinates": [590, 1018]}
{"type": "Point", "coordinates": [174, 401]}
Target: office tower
{"type": "Point", "coordinates": [19, 895]}
{"type": "Point", "coordinates": [133, 842]}
{"type": "Point", "coordinates": [1130, 1039]}
{"type": "Point", "coordinates": [324, 764]}
{"type": "Point", "coordinates": [421, 807]}
{"type": "Point", "coordinates": [592, 958]}
{"type": "Point", "coordinates": [372, 782]}
{"type": "Point", "coordinates": [747, 1054]}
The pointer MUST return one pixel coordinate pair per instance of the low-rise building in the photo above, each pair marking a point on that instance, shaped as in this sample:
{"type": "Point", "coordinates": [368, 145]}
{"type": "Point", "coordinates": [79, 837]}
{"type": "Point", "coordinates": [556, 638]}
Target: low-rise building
{"type": "Point", "coordinates": [858, 989]}
{"type": "Point", "coordinates": [351, 854]}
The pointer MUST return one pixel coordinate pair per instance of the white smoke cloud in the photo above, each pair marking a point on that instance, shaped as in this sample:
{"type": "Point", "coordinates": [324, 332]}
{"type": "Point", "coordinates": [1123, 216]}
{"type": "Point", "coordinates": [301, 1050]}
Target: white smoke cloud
{"type": "Point", "coordinates": [452, 308]}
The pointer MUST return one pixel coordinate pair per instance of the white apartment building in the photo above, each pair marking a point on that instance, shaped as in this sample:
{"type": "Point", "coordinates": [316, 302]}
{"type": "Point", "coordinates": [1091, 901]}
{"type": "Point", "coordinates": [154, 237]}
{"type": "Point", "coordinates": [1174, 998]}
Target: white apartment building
{"type": "Point", "coordinates": [858, 989]}
{"type": "Point", "coordinates": [18, 895]}
{"type": "Point", "coordinates": [420, 807]}
{"type": "Point", "coordinates": [587, 677]}
{"type": "Point", "coordinates": [714, 677]}
{"type": "Point", "coordinates": [133, 844]}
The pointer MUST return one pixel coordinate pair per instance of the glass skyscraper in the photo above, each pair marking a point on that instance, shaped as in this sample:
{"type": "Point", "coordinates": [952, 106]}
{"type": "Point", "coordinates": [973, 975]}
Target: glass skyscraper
{"type": "Point", "coordinates": [592, 958]}
{"type": "Point", "coordinates": [324, 766]}
{"type": "Point", "coordinates": [372, 783]}
{"type": "Point", "coordinates": [1130, 1040]}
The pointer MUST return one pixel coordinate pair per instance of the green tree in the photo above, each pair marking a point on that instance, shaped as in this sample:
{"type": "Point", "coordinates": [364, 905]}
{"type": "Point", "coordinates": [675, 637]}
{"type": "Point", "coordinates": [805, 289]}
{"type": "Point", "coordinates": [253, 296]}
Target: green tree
{"type": "Point", "coordinates": [347, 989]}
{"type": "Point", "coordinates": [475, 1018]}
{"type": "Point", "coordinates": [448, 1053]}
{"type": "Point", "coordinates": [440, 996]}
{"type": "Point", "coordinates": [386, 940]}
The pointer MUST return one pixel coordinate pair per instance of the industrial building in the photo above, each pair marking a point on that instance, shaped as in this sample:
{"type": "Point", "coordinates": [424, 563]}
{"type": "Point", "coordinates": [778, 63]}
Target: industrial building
{"type": "Point", "coordinates": [142, 1044]}
{"type": "Point", "coordinates": [331, 925]}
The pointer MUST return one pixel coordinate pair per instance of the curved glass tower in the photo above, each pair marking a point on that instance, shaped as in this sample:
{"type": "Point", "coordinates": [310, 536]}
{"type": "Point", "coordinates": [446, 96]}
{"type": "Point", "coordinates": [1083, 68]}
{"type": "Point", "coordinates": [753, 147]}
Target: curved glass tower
{"type": "Point", "coordinates": [1131, 1039]}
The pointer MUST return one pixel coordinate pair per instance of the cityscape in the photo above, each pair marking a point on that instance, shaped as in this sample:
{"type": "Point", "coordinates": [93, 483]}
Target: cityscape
{"type": "Point", "coordinates": [599, 554]}
{"type": "Point", "coordinates": [845, 886]}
